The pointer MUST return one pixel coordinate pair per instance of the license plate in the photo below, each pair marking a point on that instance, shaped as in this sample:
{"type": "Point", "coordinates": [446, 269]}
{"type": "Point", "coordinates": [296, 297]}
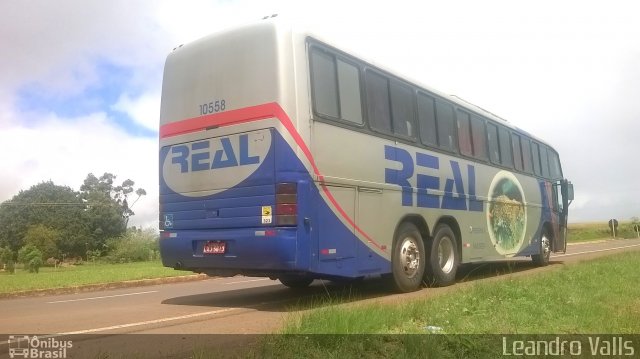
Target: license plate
{"type": "Point", "coordinates": [215, 247]}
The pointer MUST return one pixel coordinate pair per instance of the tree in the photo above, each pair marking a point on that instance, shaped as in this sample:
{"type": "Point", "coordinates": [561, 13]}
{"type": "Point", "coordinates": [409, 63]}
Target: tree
{"type": "Point", "coordinates": [77, 222]}
{"type": "Point", "coordinates": [44, 238]}
{"type": "Point", "coordinates": [108, 210]}
{"type": "Point", "coordinates": [31, 257]}
{"type": "Point", "coordinates": [54, 207]}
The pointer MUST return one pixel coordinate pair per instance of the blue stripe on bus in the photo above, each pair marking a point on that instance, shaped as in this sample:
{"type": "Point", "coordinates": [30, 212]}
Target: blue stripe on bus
{"type": "Point", "coordinates": [323, 246]}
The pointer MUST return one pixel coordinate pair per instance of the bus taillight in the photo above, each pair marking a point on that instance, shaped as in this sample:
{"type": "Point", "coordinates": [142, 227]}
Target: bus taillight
{"type": "Point", "coordinates": [286, 204]}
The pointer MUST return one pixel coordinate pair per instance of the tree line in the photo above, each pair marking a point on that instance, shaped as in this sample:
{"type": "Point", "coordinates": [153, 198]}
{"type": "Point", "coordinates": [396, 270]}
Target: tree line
{"type": "Point", "coordinates": [60, 222]}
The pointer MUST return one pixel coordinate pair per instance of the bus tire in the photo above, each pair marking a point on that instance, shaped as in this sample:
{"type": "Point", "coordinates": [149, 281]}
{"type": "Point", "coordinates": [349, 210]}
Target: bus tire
{"type": "Point", "coordinates": [408, 258]}
{"type": "Point", "coordinates": [296, 282]}
{"type": "Point", "coordinates": [444, 258]}
{"type": "Point", "coordinates": [542, 259]}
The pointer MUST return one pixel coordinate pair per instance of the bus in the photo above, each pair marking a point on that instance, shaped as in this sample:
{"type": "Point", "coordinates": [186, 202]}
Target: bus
{"type": "Point", "coordinates": [285, 157]}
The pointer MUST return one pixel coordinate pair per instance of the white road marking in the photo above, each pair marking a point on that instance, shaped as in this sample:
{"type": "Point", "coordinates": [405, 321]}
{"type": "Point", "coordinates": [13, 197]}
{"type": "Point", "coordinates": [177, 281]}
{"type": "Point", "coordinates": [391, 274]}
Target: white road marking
{"type": "Point", "coordinates": [103, 297]}
{"type": "Point", "coordinates": [594, 251]}
{"type": "Point", "coordinates": [155, 321]}
{"type": "Point", "coordinates": [247, 281]}
{"type": "Point", "coordinates": [128, 325]}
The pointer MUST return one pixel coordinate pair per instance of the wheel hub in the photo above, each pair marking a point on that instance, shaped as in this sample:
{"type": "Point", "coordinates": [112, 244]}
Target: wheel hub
{"type": "Point", "coordinates": [446, 254]}
{"type": "Point", "coordinates": [545, 246]}
{"type": "Point", "coordinates": [410, 257]}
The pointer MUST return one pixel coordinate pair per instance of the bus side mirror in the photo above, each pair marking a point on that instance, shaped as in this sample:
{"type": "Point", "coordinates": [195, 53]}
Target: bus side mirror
{"type": "Point", "coordinates": [569, 191]}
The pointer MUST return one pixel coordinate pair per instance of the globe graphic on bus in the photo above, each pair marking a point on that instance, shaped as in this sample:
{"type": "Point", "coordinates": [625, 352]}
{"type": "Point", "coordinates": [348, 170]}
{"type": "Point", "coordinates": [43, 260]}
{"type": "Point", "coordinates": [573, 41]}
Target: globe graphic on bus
{"type": "Point", "coordinates": [506, 214]}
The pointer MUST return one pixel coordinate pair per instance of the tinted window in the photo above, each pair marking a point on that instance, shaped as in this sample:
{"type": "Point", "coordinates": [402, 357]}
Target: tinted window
{"type": "Point", "coordinates": [378, 102]}
{"type": "Point", "coordinates": [479, 138]}
{"type": "Point", "coordinates": [446, 126]}
{"type": "Point", "coordinates": [554, 165]}
{"type": "Point", "coordinates": [349, 90]}
{"type": "Point", "coordinates": [544, 161]}
{"type": "Point", "coordinates": [427, 118]}
{"type": "Point", "coordinates": [536, 159]}
{"type": "Point", "coordinates": [402, 109]}
{"type": "Point", "coordinates": [526, 155]}
{"type": "Point", "coordinates": [494, 149]}
{"type": "Point", "coordinates": [464, 133]}
{"type": "Point", "coordinates": [323, 74]}
{"type": "Point", "coordinates": [505, 147]}
{"type": "Point", "coordinates": [517, 151]}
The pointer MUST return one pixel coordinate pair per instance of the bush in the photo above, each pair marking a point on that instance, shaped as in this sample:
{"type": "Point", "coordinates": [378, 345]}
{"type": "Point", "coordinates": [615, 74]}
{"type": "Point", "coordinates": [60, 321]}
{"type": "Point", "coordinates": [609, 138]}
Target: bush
{"type": "Point", "coordinates": [31, 257]}
{"type": "Point", "coordinates": [133, 246]}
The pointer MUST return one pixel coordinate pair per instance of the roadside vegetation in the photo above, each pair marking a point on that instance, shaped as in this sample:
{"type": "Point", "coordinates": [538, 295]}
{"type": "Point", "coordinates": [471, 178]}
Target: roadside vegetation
{"type": "Point", "coordinates": [589, 297]}
{"type": "Point", "coordinates": [131, 256]}
{"type": "Point", "coordinates": [48, 225]}
{"type": "Point", "coordinates": [70, 275]}
{"type": "Point", "coordinates": [580, 232]}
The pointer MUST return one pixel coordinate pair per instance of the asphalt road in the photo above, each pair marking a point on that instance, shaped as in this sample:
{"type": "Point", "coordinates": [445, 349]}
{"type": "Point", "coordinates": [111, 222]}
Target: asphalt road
{"type": "Point", "coordinates": [238, 305]}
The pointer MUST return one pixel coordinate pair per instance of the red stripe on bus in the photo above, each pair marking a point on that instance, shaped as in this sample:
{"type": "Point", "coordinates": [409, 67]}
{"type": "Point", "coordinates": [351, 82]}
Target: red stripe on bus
{"type": "Point", "coordinates": [257, 113]}
{"type": "Point", "coordinates": [219, 119]}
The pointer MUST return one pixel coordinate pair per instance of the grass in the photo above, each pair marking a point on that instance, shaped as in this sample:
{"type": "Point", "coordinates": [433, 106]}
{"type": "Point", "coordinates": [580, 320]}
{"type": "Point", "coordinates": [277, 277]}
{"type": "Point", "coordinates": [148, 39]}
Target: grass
{"type": "Point", "coordinates": [589, 297]}
{"type": "Point", "coordinates": [580, 232]}
{"type": "Point", "coordinates": [88, 273]}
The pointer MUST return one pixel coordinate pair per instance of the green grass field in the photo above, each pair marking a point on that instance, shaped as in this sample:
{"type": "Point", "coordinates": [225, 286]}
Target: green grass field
{"type": "Point", "coordinates": [580, 232]}
{"type": "Point", "coordinates": [63, 277]}
{"type": "Point", "coordinates": [589, 297]}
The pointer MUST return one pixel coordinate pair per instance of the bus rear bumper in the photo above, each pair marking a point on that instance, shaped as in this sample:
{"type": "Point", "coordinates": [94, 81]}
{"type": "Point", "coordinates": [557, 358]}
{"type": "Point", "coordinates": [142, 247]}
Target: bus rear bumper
{"type": "Point", "coordinates": [258, 251]}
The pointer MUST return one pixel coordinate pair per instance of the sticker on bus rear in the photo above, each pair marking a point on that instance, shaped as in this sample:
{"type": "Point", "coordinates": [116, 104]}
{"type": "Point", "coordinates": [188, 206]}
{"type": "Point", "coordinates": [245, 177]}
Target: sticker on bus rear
{"type": "Point", "coordinates": [266, 215]}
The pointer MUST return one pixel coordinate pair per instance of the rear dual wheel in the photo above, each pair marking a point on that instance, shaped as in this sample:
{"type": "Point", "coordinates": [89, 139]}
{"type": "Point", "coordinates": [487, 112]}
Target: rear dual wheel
{"type": "Point", "coordinates": [411, 264]}
{"type": "Point", "coordinates": [408, 258]}
{"type": "Point", "coordinates": [444, 257]}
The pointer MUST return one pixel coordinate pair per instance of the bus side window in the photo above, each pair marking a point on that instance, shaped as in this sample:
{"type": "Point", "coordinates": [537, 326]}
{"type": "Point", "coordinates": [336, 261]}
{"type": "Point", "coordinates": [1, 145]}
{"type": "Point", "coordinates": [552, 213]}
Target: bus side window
{"type": "Point", "coordinates": [506, 157]}
{"type": "Point", "coordinates": [403, 115]}
{"type": "Point", "coordinates": [494, 149]}
{"type": "Point", "coordinates": [324, 86]}
{"type": "Point", "coordinates": [554, 165]}
{"type": "Point", "coordinates": [335, 87]}
{"type": "Point", "coordinates": [517, 151]}
{"type": "Point", "coordinates": [427, 119]}
{"type": "Point", "coordinates": [544, 161]}
{"type": "Point", "coordinates": [526, 155]}
{"type": "Point", "coordinates": [479, 138]}
{"type": "Point", "coordinates": [349, 90]}
{"type": "Point", "coordinates": [464, 133]}
{"type": "Point", "coordinates": [378, 107]}
{"type": "Point", "coordinates": [536, 159]}
{"type": "Point", "coordinates": [446, 126]}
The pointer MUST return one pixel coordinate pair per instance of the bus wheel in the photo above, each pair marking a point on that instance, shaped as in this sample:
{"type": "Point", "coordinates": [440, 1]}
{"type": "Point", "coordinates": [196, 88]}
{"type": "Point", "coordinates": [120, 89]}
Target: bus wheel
{"type": "Point", "coordinates": [443, 257]}
{"type": "Point", "coordinates": [542, 259]}
{"type": "Point", "coordinates": [296, 282]}
{"type": "Point", "coordinates": [408, 258]}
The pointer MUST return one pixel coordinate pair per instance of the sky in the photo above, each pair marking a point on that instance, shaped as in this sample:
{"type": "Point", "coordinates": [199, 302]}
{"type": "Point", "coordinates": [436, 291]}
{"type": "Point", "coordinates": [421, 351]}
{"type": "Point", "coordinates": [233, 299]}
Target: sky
{"type": "Point", "coordinates": [80, 80]}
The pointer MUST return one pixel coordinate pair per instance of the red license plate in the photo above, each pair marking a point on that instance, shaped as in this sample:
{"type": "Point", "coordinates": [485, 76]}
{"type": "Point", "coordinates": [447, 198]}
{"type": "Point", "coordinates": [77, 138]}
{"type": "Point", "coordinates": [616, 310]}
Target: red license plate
{"type": "Point", "coordinates": [215, 247]}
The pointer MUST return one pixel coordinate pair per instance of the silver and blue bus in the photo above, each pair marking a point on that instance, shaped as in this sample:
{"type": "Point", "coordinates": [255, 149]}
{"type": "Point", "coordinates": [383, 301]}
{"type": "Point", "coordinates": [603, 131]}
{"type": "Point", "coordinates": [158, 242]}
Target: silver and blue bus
{"type": "Point", "coordinates": [285, 157]}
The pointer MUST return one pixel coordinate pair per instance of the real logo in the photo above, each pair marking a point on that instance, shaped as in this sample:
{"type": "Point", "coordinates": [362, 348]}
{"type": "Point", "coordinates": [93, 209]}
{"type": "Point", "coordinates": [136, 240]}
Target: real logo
{"type": "Point", "coordinates": [212, 154]}
{"type": "Point", "coordinates": [428, 186]}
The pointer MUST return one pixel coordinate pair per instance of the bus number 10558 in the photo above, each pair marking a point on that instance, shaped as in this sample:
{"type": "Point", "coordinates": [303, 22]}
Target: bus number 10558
{"type": "Point", "coordinates": [213, 107]}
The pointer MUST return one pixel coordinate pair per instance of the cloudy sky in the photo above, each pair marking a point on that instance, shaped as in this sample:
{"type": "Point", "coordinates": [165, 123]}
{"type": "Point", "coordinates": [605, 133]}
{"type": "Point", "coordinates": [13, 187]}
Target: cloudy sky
{"type": "Point", "coordinates": [80, 79]}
